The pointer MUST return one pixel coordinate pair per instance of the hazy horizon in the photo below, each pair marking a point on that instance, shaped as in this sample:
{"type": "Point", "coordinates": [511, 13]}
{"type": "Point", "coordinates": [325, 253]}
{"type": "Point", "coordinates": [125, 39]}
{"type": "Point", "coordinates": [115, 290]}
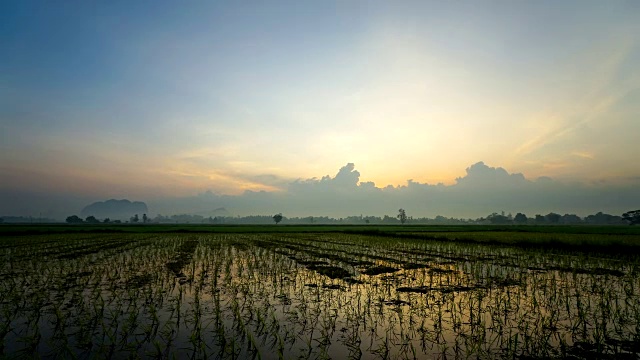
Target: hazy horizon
{"type": "Point", "coordinates": [481, 191]}
{"type": "Point", "coordinates": [244, 104]}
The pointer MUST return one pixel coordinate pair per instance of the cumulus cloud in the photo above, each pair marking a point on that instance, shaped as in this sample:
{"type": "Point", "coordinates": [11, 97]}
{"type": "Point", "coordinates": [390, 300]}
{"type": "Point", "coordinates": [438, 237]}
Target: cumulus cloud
{"type": "Point", "coordinates": [347, 178]}
{"type": "Point", "coordinates": [481, 191]}
{"type": "Point", "coordinates": [481, 175]}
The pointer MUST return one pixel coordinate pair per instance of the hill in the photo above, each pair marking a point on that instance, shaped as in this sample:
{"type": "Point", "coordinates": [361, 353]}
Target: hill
{"type": "Point", "coordinates": [115, 209]}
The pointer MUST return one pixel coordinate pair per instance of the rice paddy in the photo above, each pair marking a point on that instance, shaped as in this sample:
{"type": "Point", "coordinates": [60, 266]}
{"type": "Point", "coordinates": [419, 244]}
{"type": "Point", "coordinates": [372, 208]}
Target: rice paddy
{"type": "Point", "coordinates": [310, 296]}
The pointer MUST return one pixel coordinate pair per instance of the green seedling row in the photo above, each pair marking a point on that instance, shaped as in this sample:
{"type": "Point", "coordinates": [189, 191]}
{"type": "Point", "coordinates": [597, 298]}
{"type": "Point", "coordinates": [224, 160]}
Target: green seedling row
{"type": "Point", "coordinates": [315, 295]}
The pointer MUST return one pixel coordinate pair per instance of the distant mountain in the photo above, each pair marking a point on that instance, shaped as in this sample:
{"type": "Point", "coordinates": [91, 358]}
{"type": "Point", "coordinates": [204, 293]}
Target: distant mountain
{"type": "Point", "coordinates": [115, 209]}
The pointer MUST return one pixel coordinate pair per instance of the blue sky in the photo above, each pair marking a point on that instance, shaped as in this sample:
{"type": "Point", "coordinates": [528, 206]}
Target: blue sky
{"type": "Point", "coordinates": [152, 99]}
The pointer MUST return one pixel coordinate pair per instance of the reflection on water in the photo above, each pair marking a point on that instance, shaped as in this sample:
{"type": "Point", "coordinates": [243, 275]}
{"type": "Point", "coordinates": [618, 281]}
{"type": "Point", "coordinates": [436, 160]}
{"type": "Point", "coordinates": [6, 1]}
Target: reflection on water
{"type": "Point", "coordinates": [310, 296]}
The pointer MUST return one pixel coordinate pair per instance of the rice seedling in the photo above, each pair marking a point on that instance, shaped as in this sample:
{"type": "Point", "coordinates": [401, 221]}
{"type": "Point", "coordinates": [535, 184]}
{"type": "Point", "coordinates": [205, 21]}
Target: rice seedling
{"type": "Point", "coordinates": [280, 296]}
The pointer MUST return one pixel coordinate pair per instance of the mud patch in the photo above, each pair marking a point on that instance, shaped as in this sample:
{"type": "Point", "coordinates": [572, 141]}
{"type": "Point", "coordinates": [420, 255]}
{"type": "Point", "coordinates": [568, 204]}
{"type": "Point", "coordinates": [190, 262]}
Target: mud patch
{"type": "Point", "coordinates": [397, 302]}
{"type": "Point", "coordinates": [442, 289]}
{"type": "Point", "coordinates": [594, 271]}
{"type": "Point", "coordinates": [377, 270]}
{"type": "Point", "coordinates": [334, 272]}
{"type": "Point", "coordinates": [183, 257]}
{"type": "Point", "coordinates": [332, 287]}
{"type": "Point", "coordinates": [413, 266]}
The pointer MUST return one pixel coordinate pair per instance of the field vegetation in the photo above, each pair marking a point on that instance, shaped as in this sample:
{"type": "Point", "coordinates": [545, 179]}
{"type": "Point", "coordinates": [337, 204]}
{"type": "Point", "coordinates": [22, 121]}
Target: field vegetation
{"type": "Point", "coordinates": [389, 293]}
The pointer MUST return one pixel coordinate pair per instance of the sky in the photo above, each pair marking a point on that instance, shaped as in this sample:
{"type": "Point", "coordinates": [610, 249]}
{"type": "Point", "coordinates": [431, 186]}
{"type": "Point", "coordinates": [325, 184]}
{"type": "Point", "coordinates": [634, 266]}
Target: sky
{"type": "Point", "coordinates": [167, 103]}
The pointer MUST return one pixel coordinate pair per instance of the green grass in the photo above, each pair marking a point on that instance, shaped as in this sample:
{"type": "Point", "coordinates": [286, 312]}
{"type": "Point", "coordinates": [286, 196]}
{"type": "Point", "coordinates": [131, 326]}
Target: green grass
{"type": "Point", "coordinates": [17, 229]}
{"type": "Point", "coordinates": [612, 240]}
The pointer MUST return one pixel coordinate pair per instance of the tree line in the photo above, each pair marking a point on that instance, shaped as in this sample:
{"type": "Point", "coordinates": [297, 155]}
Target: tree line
{"type": "Point", "coordinates": [75, 219]}
{"type": "Point", "coordinates": [600, 218]}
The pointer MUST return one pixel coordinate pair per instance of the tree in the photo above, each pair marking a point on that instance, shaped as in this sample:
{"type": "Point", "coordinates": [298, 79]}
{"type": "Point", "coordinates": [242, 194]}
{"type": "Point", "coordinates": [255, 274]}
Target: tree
{"type": "Point", "coordinates": [1, 220]}
{"type": "Point", "coordinates": [604, 219]}
{"type": "Point", "coordinates": [520, 218]}
{"type": "Point", "coordinates": [145, 219]}
{"type": "Point", "coordinates": [134, 218]}
{"type": "Point", "coordinates": [402, 215]}
{"type": "Point", "coordinates": [571, 219]}
{"type": "Point", "coordinates": [91, 220]}
{"type": "Point", "coordinates": [74, 219]}
{"type": "Point", "coordinates": [496, 218]}
{"type": "Point", "coordinates": [106, 221]}
{"type": "Point", "coordinates": [553, 218]}
{"type": "Point", "coordinates": [633, 217]}
{"type": "Point", "coordinates": [277, 218]}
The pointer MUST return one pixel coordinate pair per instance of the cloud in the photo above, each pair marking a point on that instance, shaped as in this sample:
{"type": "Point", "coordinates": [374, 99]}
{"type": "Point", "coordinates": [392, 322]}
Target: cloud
{"type": "Point", "coordinates": [481, 175]}
{"type": "Point", "coordinates": [481, 191]}
{"type": "Point", "coordinates": [589, 105]}
{"type": "Point", "coordinates": [347, 178]}
{"type": "Point", "coordinates": [583, 155]}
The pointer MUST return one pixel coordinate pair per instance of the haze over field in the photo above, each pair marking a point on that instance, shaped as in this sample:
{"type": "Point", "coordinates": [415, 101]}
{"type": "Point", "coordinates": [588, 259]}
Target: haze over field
{"type": "Point", "coordinates": [247, 106]}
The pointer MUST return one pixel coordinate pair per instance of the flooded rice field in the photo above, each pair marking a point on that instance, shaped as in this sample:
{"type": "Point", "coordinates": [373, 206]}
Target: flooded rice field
{"type": "Point", "coordinates": [309, 296]}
